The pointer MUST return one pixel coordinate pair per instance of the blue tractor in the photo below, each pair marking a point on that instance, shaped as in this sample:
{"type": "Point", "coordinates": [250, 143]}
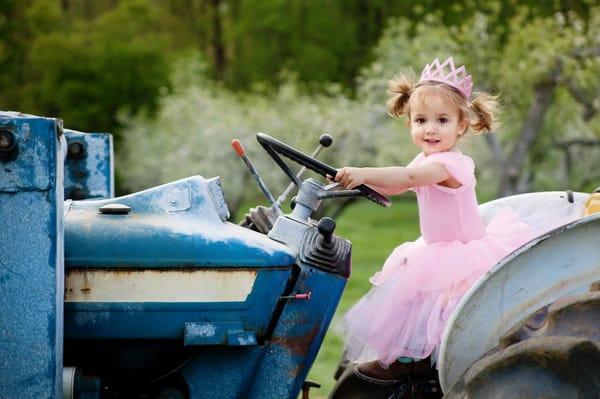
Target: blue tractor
{"type": "Point", "coordinates": [155, 294]}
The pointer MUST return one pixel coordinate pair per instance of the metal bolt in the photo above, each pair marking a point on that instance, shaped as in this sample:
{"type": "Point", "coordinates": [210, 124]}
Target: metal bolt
{"type": "Point", "coordinates": [305, 295]}
{"type": "Point", "coordinates": [115, 209]}
{"type": "Point", "coordinates": [8, 145]}
{"type": "Point", "coordinates": [538, 319]}
{"type": "Point", "coordinates": [76, 150]}
{"type": "Point", "coordinates": [7, 140]}
{"type": "Point", "coordinates": [173, 202]}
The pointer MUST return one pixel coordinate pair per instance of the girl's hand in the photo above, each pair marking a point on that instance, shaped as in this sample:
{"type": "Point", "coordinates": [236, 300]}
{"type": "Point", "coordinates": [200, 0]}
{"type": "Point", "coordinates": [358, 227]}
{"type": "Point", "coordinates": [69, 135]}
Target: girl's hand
{"type": "Point", "coordinates": [349, 177]}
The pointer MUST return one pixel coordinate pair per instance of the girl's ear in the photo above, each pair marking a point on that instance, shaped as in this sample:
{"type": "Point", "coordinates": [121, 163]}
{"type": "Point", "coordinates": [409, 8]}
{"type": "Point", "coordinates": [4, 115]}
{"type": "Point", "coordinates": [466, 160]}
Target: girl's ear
{"type": "Point", "coordinates": [463, 125]}
{"type": "Point", "coordinates": [407, 121]}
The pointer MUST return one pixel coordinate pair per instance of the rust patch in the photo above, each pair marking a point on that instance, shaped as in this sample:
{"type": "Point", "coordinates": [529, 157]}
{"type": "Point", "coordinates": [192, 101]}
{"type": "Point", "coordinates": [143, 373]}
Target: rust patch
{"type": "Point", "coordinates": [296, 321]}
{"type": "Point", "coordinates": [296, 371]}
{"type": "Point", "coordinates": [297, 345]}
{"type": "Point", "coordinates": [127, 269]}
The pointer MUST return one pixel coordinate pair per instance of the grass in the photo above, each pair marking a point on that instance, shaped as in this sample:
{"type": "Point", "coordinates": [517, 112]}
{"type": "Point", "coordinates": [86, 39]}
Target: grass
{"type": "Point", "coordinates": [374, 231]}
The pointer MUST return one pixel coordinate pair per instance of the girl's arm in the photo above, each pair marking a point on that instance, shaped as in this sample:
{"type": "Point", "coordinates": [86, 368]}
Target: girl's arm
{"type": "Point", "coordinates": [387, 191]}
{"type": "Point", "coordinates": [396, 179]}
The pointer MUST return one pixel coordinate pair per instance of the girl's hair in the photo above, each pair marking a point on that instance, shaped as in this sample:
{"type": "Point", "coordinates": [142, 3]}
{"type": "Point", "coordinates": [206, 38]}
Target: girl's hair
{"type": "Point", "coordinates": [481, 111]}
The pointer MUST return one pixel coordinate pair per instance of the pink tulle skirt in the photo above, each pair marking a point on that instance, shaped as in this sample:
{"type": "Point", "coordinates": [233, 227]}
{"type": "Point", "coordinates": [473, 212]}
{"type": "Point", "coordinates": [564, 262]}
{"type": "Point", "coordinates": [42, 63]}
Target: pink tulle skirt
{"type": "Point", "coordinates": [419, 286]}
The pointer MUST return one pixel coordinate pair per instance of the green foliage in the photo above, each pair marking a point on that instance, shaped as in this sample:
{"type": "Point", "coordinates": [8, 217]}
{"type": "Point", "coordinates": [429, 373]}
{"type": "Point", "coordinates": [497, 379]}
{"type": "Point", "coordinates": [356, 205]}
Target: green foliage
{"type": "Point", "coordinates": [321, 41]}
{"type": "Point", "coordinates": [123, 48]}
{"type": "Point", "coordinates": [85, 71]}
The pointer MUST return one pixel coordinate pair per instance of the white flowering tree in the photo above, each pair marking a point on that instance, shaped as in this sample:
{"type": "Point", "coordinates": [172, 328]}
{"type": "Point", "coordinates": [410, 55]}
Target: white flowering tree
{"type": "Point", "coordinates": [192, 131]}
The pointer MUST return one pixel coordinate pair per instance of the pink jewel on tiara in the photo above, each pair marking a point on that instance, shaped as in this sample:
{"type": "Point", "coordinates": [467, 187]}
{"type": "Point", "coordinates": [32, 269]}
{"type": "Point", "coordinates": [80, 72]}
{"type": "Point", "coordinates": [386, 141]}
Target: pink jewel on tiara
{"type": "Point", "coordinates": [447, 73]}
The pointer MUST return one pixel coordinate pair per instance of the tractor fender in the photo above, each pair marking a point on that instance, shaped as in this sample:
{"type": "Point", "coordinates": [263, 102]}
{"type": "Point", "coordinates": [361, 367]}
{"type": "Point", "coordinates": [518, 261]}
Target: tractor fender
{"type": "Point", "coordinates": [560, 263]}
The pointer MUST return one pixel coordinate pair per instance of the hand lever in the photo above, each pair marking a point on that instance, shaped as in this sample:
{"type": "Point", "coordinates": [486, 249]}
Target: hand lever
{"type": "Point", "coordinates": [331, 193]}
{"type": "Point", "coordinates": [324, 141]}
{"type": "Point", "coordinates": [326, 228]}
{"type": "Point", "coordinates": [239, 149]}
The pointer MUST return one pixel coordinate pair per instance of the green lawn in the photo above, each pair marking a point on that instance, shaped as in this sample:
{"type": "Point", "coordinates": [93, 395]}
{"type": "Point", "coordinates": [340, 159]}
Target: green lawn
{"type": "Point", "coordinates": [374, 231]}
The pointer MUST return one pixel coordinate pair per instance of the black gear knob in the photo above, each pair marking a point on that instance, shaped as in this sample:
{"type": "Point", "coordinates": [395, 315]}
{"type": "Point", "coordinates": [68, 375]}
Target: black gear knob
{"type": "Point", "coordinates": [326, 228]}
{"type": "Point", "coordinates": [325, 140]}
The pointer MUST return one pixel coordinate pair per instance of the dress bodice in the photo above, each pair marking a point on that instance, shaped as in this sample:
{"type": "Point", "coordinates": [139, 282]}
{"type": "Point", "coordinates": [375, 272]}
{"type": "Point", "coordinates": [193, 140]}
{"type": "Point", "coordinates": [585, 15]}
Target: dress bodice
{"type": "Point", "coordinates": [449, 214]}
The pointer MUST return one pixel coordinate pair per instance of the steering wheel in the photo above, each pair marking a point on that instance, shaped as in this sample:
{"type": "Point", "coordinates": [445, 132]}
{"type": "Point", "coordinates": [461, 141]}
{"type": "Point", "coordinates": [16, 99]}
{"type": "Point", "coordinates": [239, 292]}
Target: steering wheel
{"type": "Point", "coordinates": [275, 147]}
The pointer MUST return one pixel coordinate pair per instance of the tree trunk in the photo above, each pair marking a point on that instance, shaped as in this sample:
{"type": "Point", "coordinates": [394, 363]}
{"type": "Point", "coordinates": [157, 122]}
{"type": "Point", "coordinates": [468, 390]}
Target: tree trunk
{"type": "Point", "coordinates": [513, 179]}
{"type": "Point", "coordinates": [217, 40]}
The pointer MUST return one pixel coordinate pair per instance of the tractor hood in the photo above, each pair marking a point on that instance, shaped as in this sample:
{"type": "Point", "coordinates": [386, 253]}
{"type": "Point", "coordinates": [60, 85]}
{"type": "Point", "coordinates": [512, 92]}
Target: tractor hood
{"type": "Point", "coordinates": [180, 224]}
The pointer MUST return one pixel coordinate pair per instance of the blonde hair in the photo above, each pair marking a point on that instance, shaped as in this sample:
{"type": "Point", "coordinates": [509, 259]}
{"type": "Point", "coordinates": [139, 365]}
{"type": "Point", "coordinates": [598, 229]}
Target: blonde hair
{"type": "Point", "coordinates": [481, 111]}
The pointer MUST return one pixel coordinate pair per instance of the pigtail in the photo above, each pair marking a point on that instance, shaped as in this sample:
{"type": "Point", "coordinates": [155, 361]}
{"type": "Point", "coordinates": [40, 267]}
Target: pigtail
{"type": "Point", "coordinates": [484, 108]}
{"type": "Point", "coordinates": [400, 89]}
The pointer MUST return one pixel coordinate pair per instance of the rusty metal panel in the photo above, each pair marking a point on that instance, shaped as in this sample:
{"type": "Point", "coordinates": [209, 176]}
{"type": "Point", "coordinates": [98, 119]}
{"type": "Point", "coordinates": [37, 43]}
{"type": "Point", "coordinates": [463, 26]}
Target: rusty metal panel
{"type": "Point", "coordinates": [172, 285]}
{"type": "Point", "coordinates": [157, 303]}
{"type": "Point", "coordinates": [298, 335]}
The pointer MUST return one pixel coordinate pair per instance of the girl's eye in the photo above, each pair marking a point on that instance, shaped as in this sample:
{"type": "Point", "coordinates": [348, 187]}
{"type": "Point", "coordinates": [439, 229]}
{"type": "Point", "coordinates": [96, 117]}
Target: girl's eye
{"type": "Point", "coordinates": [420, 120]}
{"type": "Point", "coordinates": [443, 120]}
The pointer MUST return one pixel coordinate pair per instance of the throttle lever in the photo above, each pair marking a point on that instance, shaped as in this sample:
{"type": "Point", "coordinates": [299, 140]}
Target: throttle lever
{"type": "Point", "coordinates": [239, 149]}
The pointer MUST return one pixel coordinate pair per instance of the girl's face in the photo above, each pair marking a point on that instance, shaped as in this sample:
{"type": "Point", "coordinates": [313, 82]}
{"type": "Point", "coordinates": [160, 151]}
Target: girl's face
{"type": "Point", "coordinates": [435, 122]}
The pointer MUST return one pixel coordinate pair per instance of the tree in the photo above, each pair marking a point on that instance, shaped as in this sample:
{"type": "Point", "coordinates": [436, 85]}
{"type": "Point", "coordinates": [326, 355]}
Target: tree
{"type": "Point", "coordinates": [86, 71]}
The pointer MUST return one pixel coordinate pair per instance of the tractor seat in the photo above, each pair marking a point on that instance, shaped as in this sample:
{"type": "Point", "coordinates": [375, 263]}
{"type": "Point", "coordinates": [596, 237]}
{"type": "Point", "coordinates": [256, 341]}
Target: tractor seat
{"type": "Point", "coordinates": [543, 211]}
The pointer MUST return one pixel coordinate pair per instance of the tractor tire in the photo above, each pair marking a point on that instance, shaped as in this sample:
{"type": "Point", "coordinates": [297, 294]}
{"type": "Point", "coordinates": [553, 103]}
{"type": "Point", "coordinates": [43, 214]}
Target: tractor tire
{"type": "Point", "coordinates": [554, 353]}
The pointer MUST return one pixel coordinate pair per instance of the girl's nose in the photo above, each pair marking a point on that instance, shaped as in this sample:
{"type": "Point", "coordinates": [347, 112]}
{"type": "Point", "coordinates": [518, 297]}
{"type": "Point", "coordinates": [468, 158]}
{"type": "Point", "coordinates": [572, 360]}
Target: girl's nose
{"type": "Point", "coordinates": [430, 129]}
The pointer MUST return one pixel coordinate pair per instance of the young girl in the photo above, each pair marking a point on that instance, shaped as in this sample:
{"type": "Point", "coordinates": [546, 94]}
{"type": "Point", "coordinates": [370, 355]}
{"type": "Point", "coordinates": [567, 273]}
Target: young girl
{"type": "Point", "coordinates": [399, 323]}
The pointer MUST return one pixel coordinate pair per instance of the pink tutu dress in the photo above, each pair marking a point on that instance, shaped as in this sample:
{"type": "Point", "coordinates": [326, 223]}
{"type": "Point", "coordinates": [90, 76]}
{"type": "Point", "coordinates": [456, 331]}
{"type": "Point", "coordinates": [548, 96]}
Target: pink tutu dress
{"type": "Point", "coordinates": [421, 282]}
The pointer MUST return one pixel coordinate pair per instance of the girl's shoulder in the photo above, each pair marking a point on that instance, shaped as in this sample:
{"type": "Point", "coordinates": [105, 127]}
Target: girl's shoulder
{"type": "Point", "coordinates": [461, 167]}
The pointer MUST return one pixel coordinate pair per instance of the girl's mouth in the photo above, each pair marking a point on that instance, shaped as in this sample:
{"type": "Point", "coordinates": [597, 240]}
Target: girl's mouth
{"type": "Point", "coordinates": [432, 141]}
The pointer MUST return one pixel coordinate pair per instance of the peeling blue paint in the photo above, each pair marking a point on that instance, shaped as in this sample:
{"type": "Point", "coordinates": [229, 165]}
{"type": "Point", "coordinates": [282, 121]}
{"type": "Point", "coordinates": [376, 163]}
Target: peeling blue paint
{"type": "Point", "coordinates": [31, 261]}
{"type": "Point", "coordinates": [153, 235]}
{"type": "Point", "coordinates": [92, 175]}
